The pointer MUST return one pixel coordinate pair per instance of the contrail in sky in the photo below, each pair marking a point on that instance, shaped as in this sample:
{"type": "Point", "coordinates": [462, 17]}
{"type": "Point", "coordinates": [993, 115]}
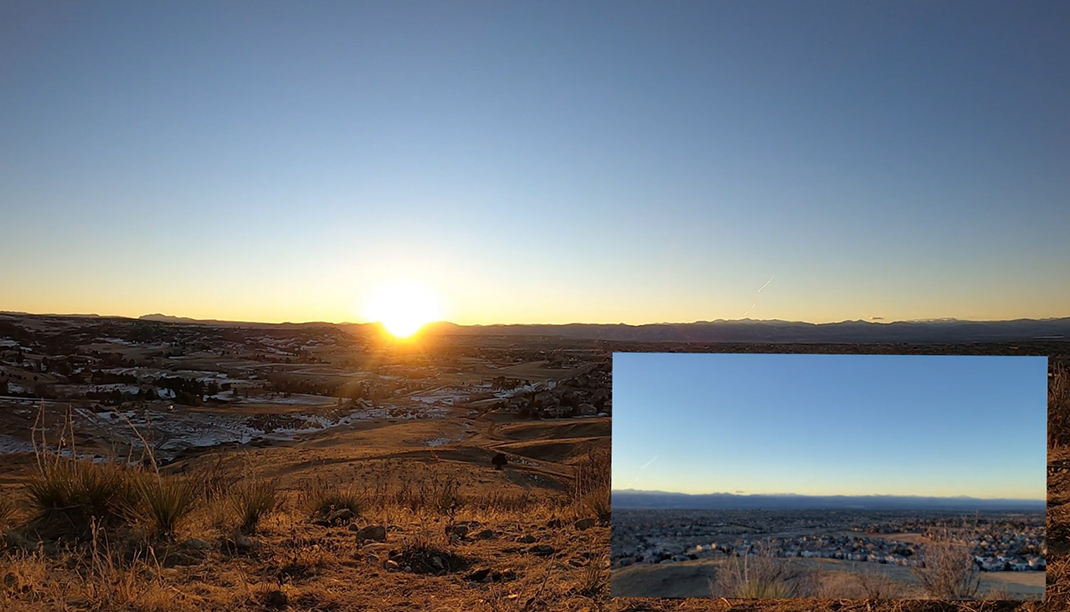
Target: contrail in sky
{"type": "Point", "coordinates": [644, 467]}
{"type": "Point", "coordinates": [759, 291]}
{"type": "Point", "coordinates": [767, 283]}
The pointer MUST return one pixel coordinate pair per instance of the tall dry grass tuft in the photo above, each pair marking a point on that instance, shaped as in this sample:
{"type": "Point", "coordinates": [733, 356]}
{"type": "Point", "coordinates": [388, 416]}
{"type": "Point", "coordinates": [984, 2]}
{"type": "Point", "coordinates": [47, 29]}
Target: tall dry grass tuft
{"type": "Point", "coordinates": [590, 488]}
{"type": "Point", "coordinates": [8, 509]}
{"type": "Point", "coordinates": [70, 496]}
{"type": "Point", "coordinates": [1059, 408]}
{"type": "Point", "coordinates": [761, 576]}
{"type": "Point", "coordinates": [321, 498]}
{"type": "Point", "coordinates": [948, 570]}
{"type": "Point", "coordinates": [252, 500]}
{"type": "Point", "coordinates": [167, 502]}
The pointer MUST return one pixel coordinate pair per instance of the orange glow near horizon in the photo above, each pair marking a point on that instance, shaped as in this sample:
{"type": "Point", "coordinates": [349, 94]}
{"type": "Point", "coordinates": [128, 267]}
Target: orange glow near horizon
{"type": "Point", "coordinates": [402, 307]}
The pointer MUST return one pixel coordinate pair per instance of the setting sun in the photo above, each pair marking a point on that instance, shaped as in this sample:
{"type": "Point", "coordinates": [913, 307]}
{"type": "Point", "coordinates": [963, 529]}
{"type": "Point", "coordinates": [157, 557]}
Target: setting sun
{"type": "Point", "coordinates": [402, 307]}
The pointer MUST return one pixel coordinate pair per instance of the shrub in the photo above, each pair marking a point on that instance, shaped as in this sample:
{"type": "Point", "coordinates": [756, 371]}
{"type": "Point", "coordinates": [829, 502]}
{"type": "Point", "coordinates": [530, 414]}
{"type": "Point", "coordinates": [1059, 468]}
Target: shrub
{"type": "Point", "coordinates": [252, 500]}
{"type": "Point", "coordinates": [166, 501]}
{"type": "Point", "coordinates": [8, 508]}
{"type": "Point", "coordinates": [1059, 408]}
{"type": "Point", "coordinates": [70, 496]}
{"type": "Point", "coordinates": [590, 488]}
{"type": "Point", "coordinates": [759, 577]}
{"type": "Point", "coordinates": [948, 571]}
{"type": "Point", "coordinates": [321, 499]}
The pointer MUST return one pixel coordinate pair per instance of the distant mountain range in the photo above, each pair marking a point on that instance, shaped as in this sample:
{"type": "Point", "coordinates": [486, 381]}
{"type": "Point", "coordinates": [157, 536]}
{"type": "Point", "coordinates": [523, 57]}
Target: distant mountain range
{"type": "Point", "coordinates": [660, 500]}
{"type": "Point", "coordinates": [747, 330]}
{"type": "Point", "coordinates": [740, 331]}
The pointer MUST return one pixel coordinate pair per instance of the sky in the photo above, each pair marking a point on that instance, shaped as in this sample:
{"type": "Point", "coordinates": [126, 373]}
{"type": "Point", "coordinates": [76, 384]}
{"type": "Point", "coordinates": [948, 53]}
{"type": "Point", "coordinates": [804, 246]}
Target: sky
{"type": "Point", "coordinates": [536, 162]}
{"type": "Point", "coordinates": [940, 426]}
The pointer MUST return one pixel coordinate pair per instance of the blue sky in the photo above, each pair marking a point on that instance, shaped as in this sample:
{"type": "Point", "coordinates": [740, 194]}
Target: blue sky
{"type": "Point", "coordinates": [830, 424]}
{"type": "Point", "coordinates": [537, 161]}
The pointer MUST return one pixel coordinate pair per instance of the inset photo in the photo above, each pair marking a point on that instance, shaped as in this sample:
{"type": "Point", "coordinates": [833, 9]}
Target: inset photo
{"type": "Point", "coordinates": [829, 476]}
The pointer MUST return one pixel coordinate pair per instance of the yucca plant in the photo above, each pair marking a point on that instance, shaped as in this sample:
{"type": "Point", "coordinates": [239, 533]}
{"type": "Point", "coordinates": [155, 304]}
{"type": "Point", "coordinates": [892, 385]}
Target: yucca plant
{"type": "Point", "coordinates": [166, 502]}
{"type": "Point", "coordinates": [252, 500]}
{"type": "Point", "coordinates": [321, 499]}
{"type": "Point", "coordinates": [69, 496]}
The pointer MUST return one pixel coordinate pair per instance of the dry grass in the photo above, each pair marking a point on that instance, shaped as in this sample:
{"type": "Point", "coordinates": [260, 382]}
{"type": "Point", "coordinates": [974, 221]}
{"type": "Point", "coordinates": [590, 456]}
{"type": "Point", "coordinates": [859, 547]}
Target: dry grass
{"type": "Point", "coordinates": [948, 571]}
{"type": "Point", "coordinates": [1059, 408]}
{"type": "Point", "coordinates": [320, 498]}
{"type": "Point", "coordinates": [761, 577]}
{"type": "Point", "coordinates": [252, 500]}
{"type": "Point", "coordinates": [166, 502]}
{"type": "Point", "coordinates": [590, 488]}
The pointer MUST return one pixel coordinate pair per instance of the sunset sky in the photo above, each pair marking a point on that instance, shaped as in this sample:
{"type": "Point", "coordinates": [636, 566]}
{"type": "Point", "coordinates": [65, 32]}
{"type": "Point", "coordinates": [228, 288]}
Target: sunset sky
{"type": "Point", "coordinates": [536, 162]}
{"type": "Point", "coordinates": [938, 426]}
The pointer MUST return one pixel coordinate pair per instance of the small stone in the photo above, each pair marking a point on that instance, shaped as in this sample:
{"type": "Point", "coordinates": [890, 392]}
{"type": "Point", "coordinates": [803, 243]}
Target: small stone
{"type": "Point", "coordinates": [458, 530]}
{"type": "Point", "coordinates": [11, 580]}
{"type": "Point", "coordinates": [528, 539]}
{"type": "Point", "coordinates": [486, 534]}
{"type": "Point", "coordinates": [372, 559]}
{"type": "Point", "coordinates": [238, 543]}
{"type": "Point", "coordinates": [197, 544]}
{"type": "Point", "coordinates": [543, 550]}
{"type": "Point", "coordinates": [479, 575]}
{"type": "Point", "coordinates": [341, 515]}
{"type": "Point", "coordinates": [391, 565]}
{"type": "Point", "coordinates": [437, 562]}
{"type": "Point", "coordinates": [375, 533]}
{"type": "Point", "coordinates": [276, 599]}
{"type": "Point", "coordinates": [585, 523]}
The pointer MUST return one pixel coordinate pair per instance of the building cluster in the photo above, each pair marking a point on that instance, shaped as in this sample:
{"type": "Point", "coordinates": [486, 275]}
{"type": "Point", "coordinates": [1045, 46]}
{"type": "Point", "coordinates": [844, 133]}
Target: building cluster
{"type": "Point", "coordinates": [997, 546]}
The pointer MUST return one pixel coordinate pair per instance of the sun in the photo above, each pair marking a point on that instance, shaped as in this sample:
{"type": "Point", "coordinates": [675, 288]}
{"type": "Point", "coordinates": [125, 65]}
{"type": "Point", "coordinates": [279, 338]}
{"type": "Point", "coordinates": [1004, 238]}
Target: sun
{"type": "Point", "coordinates": [402, 307]}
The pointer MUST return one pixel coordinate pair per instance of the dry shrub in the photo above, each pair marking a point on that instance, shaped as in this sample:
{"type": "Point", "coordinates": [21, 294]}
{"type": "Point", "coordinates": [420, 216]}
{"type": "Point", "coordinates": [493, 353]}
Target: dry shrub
{"type": "Point", "coordinates": [590, 488]}
{"type": "Point", "coordinates": [320, 498]}
{"type": "Point", "coordinates": [439, 495]}
{"type": "Point", "coordinates": [8, 509]}
{"type": "Point", "coordinates": [948, 570]}
{"type": "Point", "coordinates": [166, 502]}
{"type": "Point", "coordinates": [595, 578]}
{"type": "Point", "coordinates": [420, 554]}
{"type": "Point", "coordinates": [252, 500]}
{"type": "Point", "coordinates": [1059, 408]}
{"type": "Point", "coordinates": [762, 576]}
{"type": "Point", "coordinates": [875, 584]}
{"type": "Point", "coordinates": [69, 497]}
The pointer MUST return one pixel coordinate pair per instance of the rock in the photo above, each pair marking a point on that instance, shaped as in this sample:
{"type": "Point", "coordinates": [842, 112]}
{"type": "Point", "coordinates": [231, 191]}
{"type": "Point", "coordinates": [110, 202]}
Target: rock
{"type": "Point", "coordinates": [276, 599]}
{"type": "Point", "coordinates": [238, 543]}
{"type": "Point", "coordinates": [197, 544]}
{"type": "Point", "coordinates": [585, 523]}
{"type": "Point", "coordinates": [11, 581]}
{"type": "Point", "coordinates": [178, 558]}
{"type": "Point", "coordinates": [372, 559]}
{"type": "Point", "coordinates": [375, 533]}
{"type": "Point", "coordinates": [478, 575]}
{"type": "Point", "coordinates": [458, 530]}
{"type": "Point", "coordinates": [342, 515]}
{"type": "Point", "coordinates": [528, 539]}
{"type": "Point", "coordinates": [437, 563]}
{"type": "Point", "coordinates": [391, 566]}
{"type": "Point", "coordinates": [486, 534]}
{"type": "Point", "coordinates": [543, 550]}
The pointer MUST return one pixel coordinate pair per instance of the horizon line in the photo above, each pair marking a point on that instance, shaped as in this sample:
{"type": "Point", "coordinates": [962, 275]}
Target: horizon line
{"type": "Point", "coordinates": [1044, 499]}
{"type": "Point", "coordinates": [879, 321]}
